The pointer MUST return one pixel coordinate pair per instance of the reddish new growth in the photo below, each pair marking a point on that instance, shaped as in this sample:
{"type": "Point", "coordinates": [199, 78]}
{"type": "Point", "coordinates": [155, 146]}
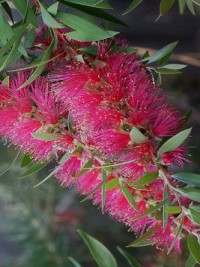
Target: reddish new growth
{"type": "Point", "coordinates": [87, 109]}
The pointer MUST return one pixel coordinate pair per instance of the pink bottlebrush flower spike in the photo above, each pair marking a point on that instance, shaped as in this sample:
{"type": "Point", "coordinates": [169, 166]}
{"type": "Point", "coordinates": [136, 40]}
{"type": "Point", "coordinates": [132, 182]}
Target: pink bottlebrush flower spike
{"type": "Point", "coordinates": [88, 110]}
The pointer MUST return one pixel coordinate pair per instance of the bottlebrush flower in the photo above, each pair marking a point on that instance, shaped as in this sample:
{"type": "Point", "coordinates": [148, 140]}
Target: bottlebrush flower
{"type": "Point", "coordinates": [90, 108]}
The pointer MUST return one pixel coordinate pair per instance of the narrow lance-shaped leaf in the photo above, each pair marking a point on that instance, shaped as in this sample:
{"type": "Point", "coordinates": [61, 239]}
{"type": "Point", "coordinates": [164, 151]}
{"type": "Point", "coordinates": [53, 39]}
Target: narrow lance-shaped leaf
{"type": "Point", "coordinates": [151, 210]}
{"type": "Point", "coordinates": [26, 160]}
{"type": "Point", "coordinates": [20, 31]}
{"type": "Point", "coordinates": [8, 10]}
{"type": "Point", "coordinates": [95, 11]}
{"type": "Point", "coordinates": [178, 232]}
{"type": "Point", "coordinates": [146, 179]}
{"type": "Point", "coordinates": [85, 30]}
{"type": "Point", "coordinates": [11, 164]}
{"type": "Point", "coordinates": [12, 54]}
{"type": "Point", "coordinates": [174, 142]}
{"type": "Point", "coordinates": [125, 49]}
{"type": "Point", "coordinates": [25, 10]}
{"type": "Point", "coordinates": [194, 247]}
{"type": "Point", "coordinates": [103, 4]}
{"type": "Point", "coordinates": [165, 6]}
{"type": "Point", "coordinates": [137, 136]}
{"type": "Point", "coordinates": [48, 19]}
{"type": "Point", "coordinates": [182, 5]}
{"type": "Point", "coordinates": [87, 167]}
{"type": "Point", "coordinates": [173, 209]}
{"type": "Point", "coordinates": [130, 259]}
{"type": "Point", "coordinates": [129, 196]}
{"type": "Point", "coordinates": [40, 68]}
{"type": "Point", "coordinates": [103, 190]}
{"type": "Point", "coordinates": [161, 53]}
{"type": "Point", "coordinates": [100, 253]}
{"type": "Point", "coordinates": [53, 9]}
{"type": "Point", "coordinates": [91, 3]}
{"type": "Point", "coordinates": [192, 193]}
{"type": "Point", "coordinates": [112, 184]}
{"type": "Point", "coordinates": [165, 215]}
{"type": "Point", "coordinates": [46, 136]}
{"type": "Point", "coordinates": [188, 178]}
{"type": "Point", "coordinates": [191, 262]}
{"type": "Point", "coordinates": [132, 6]}
{"type": "Point", "coordinates": [74, 262]}
{"type": "Point", "coordinates": [93, 192]}
{"type": "Point", "coordinates": [143, 238]}
{"type": "Point", "coordinates": [170, 68]}
{"type": "Point", "coordinates": [194, 215]}
{"type": "Point", "coordinates": [33, 169]}
{"type": "Point", "coordinates": [46, 178]}
{"type": "Point", "coordinates": [190, 5]}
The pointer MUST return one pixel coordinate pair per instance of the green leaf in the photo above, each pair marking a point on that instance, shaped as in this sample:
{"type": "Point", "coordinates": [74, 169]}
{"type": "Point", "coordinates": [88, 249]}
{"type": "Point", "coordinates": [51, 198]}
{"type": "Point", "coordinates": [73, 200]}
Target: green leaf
{"type": "Point", "coordinates": [33, 169]}
{"type": "Point", "coordinates": [100, 253]}
{"type": "Point", "coordinates": [75, 263]}
{"type": "Point", "coordinates": [103, 4]}
{"type": "Point", "coordinates": [195, 215]}
{"type": "Point", "coordinates": [40, 68]}
{"type": "Point", "coordinates": [46, 178]}
{"type": "Point", "coordinates": [26, 160]}
{"type": "Point", "coordinates": [20, 31]}
{"type": "Point", "coordinates": [146, 179]}
{"type": "Point", "coordinates": [132, 6]}
{"type": "Point", "coordinates": [178, 232]}
{"type": "Point", "coordinates": [166, 71]}
{"type": "Point", "coordinates": [84, 30]}
{"type": "Point", "coordinates": [165, 6]}
{"type": "Point", "coordinates": [91, 3]}
{"type": "Point", "coordinates": [35, 65]}
{"type": "Point", "coordinates": [174, 142]}
{"type": "Point", "coordinates": [11, 55]}
{"type": "Point", "coordinates": [174, 66]}
{"type": "Point", "coordinates": [182, 5]}
{"type": "Point", "coordinates": [24, 9]}
{"type": "Point", "coordinates": [48, 19]}
{"type": "Point", "coordinates": [188, 178]}
{"type": "Point", "coordinates": [87, 167]}
{"type": "Point", "coordinates": [187, 116]}
{"type": "Point", "coordinates": [173, 209]}
{"type": "Point", "coordinates": [11, 164]}
{"type": "Point", "coordinates": [162, 53]}
{"type": "Point", "coordinates": [192, 193]}
{"type": "Point", "coordinates": [8, 10]}
{"type": "Point", "coordinates": [93, 50]}
{"type": "Point", "coordinates": [6, 81]}
{"type": "Point", "coordinates": [95, 11]}
{"type": "Point", "coordinates": [103, 189]}
{"type": "Point", "coordinates": [194, 247]}
{"type": "Point", "coordinates": [151, 210]}
{"type": "Point", "coordinates": [46, 136]}
{"type": "Point", "coordinates": [191, 262]}
{"type": "Point", "coordinates": [143, 238]}
{"type": "Point", "coordinates": [6, 32]}
{"type": "Point", "coordinates": [196, 208]}
{"type": "Point", "coordinates": [130, 259]}
{"type": "Point", "coordinates": [125, 49]}
{"type": "Point", "coordinates": [165, 215]}
{"type": "Point", "coordinates": [136, 136]}
{"type": "Point", "coordinates": [129, 196]}
{"type": "Point", "coordinates": [93, 192]}
{"type": "Point", "coordinates": [170, 68]}
{"type": "Point", "coordinates": [190, 6]}
{"type": "Point", "coordinates": [53, 9]}
{"type": "Point", "coordinates": [112, 184]}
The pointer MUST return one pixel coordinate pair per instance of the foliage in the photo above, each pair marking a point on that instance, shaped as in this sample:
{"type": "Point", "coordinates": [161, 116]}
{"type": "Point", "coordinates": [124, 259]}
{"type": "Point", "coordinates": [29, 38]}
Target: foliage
{"type": "Point", "coordinates": [75, 40]}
